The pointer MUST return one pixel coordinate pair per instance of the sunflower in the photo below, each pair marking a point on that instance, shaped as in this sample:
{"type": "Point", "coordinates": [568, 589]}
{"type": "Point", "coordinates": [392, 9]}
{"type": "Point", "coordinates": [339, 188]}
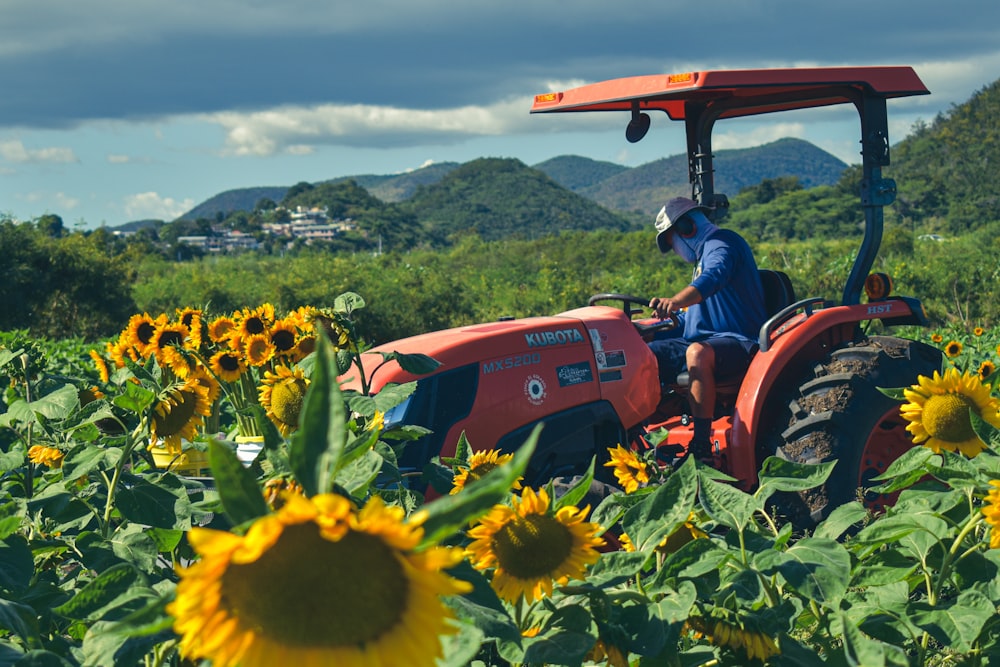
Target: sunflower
{"type": "Point", "coordinates": [120, 349]}
{"type": "Point", "coordinates": [953, 349]}
{"type": "Point", "coordinates": [188, 316]}
{"type": "Point", "coordinates": [986, 369]}
{"type": "Point", "coordinates": [937, 338]}
{"type": "Point", "coordinates": [276, 488]}
{"type": "Point", "coordinates": [531, 547]}
{"type": "Point", "coordinates": [101, 364]}
{"type": "Point", "coordinates": [49, 456]}
{"type": "Point", "coordinates": [629, 470]}
{"type": "Point", "coordinates": [316, 583]}
{"type": "Point", "coordinates": [212, 387]}
{"type": "Point", "coordinates": [284, 337]}
{"type": "Point", "coordinates": [178, 414]}
{"type": "Point", "coordinates": [221, 328]}
{"type": "Point", "coordinates": [258, 349]}
{"type": "Point", "coordinates": [674, 541]}
{"type": "Point", "coordinates": [938, 411]}
{"type": "Point", "coordinates": [254, 322]}
{"type": "Point", "coordinates": [281, 396]}
{"type": "Point", "coordinates": [140, 329]}
{"type": "Point", "coordinates": [305, 346]}
{"type": "Point", "coordinates": [227, 365]}
{"type": "Point", "coordinates": [166, 343]}
{"type": "Point", "coordinates": [480, 463]}
{"type": "Point", "coordinates": [301, 316]}
{"type": "Point", "coordinates": [685, 533]}
{"type": "Point", "coordinates": [89, 395]}
{"type": "Point", "coordinates": [732, 634]}
{"type": "Point", "coordinates": [991, 510]}
{"type": "Point", "coordinates": [335, 330]}
{"type": "Point", "coordinates": [978, 331]}
{"type": "Point", "coordinates": [607, 652]}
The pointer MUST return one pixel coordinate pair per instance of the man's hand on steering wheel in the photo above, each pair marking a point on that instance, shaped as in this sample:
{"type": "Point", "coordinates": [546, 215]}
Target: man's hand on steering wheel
{"type": "Point", "coordinates": [664, 307]}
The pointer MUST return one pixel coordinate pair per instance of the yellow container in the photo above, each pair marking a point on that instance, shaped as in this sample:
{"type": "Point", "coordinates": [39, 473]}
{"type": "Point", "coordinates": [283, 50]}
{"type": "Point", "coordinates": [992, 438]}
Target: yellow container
{"type": "Point", "coordinates": [191, 462]}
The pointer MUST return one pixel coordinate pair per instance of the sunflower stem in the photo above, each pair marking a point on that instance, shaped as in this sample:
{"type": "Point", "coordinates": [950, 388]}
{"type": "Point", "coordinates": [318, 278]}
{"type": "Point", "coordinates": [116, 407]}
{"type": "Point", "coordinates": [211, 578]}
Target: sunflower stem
{"type": "Point", "coordinates": [130, 443]}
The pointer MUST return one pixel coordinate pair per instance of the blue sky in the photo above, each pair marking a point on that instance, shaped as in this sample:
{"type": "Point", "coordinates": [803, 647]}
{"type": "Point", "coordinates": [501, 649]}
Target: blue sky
{"type": "Point", "coordinates": [118, 110]}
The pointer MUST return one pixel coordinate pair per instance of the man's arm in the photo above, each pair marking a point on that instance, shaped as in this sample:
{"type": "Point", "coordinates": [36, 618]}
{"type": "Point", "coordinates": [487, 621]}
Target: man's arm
{"type": "Point", "coordinates": [686, 297]}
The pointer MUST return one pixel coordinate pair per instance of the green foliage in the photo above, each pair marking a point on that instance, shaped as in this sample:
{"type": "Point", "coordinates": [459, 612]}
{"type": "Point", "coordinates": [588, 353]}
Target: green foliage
{"type": "Point", "coordinates": [943, 170]}
{"type": "Point", "coordinates": [62, 286]}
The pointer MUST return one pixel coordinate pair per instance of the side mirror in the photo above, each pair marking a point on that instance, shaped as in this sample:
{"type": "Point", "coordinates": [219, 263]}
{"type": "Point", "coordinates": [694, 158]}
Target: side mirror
{"type": "Point", "coordinates": [638, 126]}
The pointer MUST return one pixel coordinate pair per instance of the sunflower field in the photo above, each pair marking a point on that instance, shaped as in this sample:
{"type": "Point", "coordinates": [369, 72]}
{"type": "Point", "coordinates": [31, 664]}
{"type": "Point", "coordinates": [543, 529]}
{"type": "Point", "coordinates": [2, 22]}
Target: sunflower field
{"type": "Point", "coordinates": [136, 529]}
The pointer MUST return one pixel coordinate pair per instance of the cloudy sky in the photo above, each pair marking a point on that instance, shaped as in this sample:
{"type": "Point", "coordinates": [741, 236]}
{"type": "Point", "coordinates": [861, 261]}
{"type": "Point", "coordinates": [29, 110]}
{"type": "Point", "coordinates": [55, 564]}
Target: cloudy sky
{"type": "Point", "coordinates": [118, 110]}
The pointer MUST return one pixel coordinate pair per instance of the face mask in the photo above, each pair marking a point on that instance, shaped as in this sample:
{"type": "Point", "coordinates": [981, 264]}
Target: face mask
{"type": "Point", "coordinates": [682, 248]}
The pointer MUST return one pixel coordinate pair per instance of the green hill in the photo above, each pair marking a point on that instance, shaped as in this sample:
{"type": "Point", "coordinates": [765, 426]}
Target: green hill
{"type": "Point", "coordinates": [504, 198]}
{"type": "Point", "coordinates": [946, 171]}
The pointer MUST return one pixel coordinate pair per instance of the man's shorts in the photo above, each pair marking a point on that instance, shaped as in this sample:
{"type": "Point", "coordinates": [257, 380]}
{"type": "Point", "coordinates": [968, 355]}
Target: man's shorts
{"type": "Point", "coordinates": [732, 355]}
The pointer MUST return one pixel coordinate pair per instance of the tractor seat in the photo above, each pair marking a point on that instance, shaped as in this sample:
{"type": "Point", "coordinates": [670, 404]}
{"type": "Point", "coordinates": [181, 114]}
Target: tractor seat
{"type": "Point", "coordinates": [778, 294]}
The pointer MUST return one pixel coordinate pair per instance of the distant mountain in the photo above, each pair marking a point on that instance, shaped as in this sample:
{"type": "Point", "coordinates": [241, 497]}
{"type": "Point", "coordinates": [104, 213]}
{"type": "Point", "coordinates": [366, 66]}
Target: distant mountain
{"type": "Point", "coordinates": [240, 199]}
{"type": "Point", "coordinates": [399, 187]}
{"type": "Point", "coordinates": [646, 187]}
{"type": "Point", "coordinates": [579, 173]}
{"type": "Point", "coordinates": [641, 189]}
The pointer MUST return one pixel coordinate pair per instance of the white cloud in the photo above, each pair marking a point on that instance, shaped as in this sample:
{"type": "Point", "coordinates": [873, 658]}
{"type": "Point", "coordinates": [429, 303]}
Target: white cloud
{"type": "Point", "coordinates": [296, 129]}
{"type": "Point", "coordinates": [151, 205]}
{"type": "Point", "coordinates": [119, 159]}
{"type": "Point", "coordinates": [15, 151]}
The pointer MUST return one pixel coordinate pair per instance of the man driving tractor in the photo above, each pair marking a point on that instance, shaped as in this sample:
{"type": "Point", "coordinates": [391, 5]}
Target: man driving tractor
{"type": "Point", "coordinates": [725, 309]}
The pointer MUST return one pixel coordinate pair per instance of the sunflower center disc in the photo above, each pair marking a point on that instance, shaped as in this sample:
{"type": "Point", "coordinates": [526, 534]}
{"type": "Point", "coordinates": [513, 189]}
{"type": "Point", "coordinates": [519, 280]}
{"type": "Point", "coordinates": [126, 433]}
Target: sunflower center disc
{"type": "Point", "coordinates": [946, 417]}
{"type": "Point", "coordinates": [283, 340]}
{"type": "Point", "coordinates": [476, 473]}
{"type": "Point", "coordinates": [532, 546]}
{"type": "Point", "coordinates": [308, 591]}
{"type": "Point", "coordinates": [286, 401]}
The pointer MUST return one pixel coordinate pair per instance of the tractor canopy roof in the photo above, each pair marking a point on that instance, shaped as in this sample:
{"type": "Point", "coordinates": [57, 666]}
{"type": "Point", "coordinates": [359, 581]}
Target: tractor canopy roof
{"type": "Point", "coordinates": [741, 92]}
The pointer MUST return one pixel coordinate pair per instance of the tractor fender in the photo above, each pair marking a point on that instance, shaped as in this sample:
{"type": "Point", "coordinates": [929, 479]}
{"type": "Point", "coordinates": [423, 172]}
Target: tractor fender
{"type": "Point", "coordinates": [798, 336]}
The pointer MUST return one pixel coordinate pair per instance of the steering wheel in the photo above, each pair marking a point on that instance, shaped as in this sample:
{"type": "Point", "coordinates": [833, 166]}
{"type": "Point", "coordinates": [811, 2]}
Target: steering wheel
{"type": "Point", "coordinates": [627, 301]}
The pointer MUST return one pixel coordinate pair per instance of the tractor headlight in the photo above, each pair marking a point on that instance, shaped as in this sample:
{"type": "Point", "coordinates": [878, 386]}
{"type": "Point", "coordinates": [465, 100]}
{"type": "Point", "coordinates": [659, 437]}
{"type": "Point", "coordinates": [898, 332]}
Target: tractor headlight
{"type": "Point", "coordinates": [878, 286]}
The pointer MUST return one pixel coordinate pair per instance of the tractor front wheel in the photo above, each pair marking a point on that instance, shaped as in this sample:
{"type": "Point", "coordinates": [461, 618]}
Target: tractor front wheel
{"type": "Point", "coordinates": [839, 414]}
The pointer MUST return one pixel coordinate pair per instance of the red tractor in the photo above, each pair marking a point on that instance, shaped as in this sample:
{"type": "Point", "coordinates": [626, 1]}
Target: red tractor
{"type": "Point", "coordinates": [811, 392]}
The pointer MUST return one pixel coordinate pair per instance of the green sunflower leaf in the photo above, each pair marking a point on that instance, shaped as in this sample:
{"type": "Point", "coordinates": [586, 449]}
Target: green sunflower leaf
{"type": "Point", "coordinates": [348, 302]}
{"type": "Point", "coordinates": [315, 449]}
{"type": "Point", "coordinates": [895, 393]}
{"type": "Point", "coordinates": [955, 624]}
{"type": "Point", "coordinates": [817, 568]}
{"type": "Point", "coordinates": [781, 475]}
{"type": "Point", "coordinates": [576, 492]}
{"type": "Point", "coordinates": [728, 505]}
{"type": "Point", "coordinates": [417, 364]}
{"type": "Point", "coordinates": [450, 514]}
{"type": "Point", "coordinates": [99, 593]}
{"type": "Point", "coordinates": [238, 489]}
{"type": "Point", "coordinates": [661, 511]}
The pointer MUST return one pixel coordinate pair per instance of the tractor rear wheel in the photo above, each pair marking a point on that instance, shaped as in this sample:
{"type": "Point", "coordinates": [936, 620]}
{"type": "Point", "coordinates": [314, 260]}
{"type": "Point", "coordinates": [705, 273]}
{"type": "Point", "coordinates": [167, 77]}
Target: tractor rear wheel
{"type": "Point", "coordinates": [838, 413]}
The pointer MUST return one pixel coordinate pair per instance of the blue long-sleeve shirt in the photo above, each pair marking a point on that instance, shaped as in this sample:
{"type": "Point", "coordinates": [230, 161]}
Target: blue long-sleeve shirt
{"type": "Point", "coordinates": [732, 296]}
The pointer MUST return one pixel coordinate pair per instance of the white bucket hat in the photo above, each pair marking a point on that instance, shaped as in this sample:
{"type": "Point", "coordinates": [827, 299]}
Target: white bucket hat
{"type": "Point", "coordinates": [668, 216]}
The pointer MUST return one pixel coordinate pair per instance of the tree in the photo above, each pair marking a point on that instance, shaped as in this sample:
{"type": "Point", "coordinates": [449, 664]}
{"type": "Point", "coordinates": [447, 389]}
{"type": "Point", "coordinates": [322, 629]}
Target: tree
{"type": "Point", "coordinates": [51, 225]}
